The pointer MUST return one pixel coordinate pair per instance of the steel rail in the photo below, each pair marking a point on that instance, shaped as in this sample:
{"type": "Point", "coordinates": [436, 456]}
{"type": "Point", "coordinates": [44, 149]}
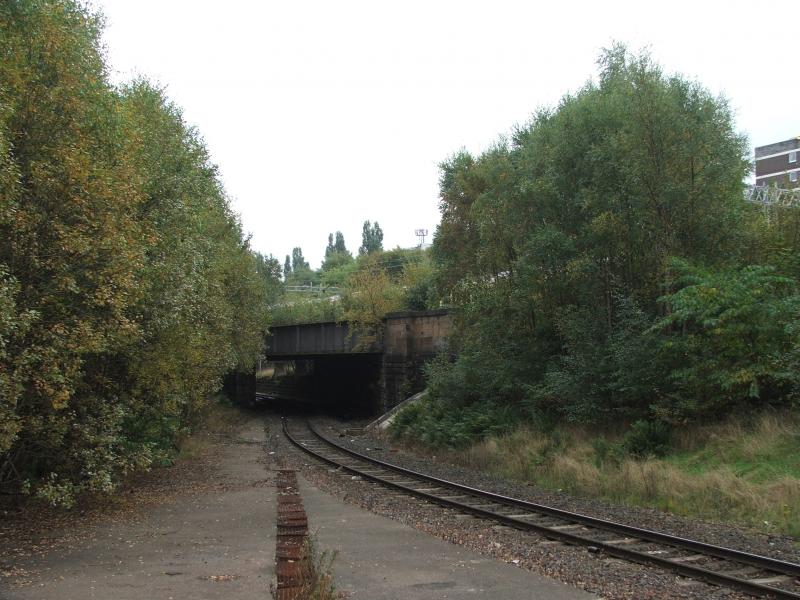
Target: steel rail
{"type": "Point", "coordinates": [694, 572]}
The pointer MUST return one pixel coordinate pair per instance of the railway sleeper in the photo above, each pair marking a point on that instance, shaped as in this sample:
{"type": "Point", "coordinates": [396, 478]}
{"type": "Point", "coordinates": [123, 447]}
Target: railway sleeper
{"type": "Point", "coordinates": [771, 580]}
{"type": "Point", "coordinates": [571, 527]}
{"type": "Point", "coordinates": [741, 572]}
{"type": "Point", "coordinates": [490, 507]}
{"type": "Point", "coordinates": [623, 541]}
{"type": "Point", "coordinates": [689, 558]}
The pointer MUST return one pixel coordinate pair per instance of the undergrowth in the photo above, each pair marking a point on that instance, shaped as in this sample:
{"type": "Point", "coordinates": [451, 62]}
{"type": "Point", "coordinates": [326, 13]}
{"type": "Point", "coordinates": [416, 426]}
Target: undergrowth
{"type": "Point", "coordinates": [217, 417]}
{"type": "Point", "coordinates": [742, 470]}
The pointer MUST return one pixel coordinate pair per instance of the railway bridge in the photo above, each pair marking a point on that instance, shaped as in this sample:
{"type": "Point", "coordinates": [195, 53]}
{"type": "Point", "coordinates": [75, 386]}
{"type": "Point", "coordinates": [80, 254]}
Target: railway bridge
{"type": "Point", "coordinates": [369, 373]}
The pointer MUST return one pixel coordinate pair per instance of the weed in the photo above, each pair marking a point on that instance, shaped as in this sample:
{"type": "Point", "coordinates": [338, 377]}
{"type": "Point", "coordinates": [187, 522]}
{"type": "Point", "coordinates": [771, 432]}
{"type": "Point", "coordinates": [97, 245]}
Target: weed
{"type": "Point", "coordinates": [318, 573]}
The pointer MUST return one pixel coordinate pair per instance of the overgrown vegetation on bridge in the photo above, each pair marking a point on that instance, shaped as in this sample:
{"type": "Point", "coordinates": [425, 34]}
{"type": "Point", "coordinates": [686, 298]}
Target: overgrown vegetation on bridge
{"type": "Point", "coordinates": [361, 290]}
{"type": "Point", "coordinates": [607, 269]}
{"type": "Point", "coordinates": [126, 288]}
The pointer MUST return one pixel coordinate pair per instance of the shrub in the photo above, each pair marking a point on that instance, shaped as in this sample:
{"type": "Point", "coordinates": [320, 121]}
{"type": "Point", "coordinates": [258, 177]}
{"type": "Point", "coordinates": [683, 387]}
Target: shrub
{"type": "Point", "coordinates": [647, 438]}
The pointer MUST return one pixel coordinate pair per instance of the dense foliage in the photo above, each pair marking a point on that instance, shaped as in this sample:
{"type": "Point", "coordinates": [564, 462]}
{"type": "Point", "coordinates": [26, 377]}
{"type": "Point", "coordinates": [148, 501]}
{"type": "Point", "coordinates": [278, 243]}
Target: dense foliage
{"type": "Point", "coordinates": [127, 290]}
{"type": "Point", "coordinates": [362, 290]}
{"type": "Point", "coordinates": [606, 266]}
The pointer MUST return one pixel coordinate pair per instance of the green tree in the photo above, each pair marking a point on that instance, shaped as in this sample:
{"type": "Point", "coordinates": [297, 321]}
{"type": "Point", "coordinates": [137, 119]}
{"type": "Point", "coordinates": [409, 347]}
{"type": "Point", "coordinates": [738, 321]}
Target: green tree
{"type": "Point", "coordinates": [556, 246]}
{"type": "Point", "coordinates": [269, 268]}
{"type": "Point", "coordinates": [337, 258]}
{"type": "Point", "coordinates": [301, 272]}
{"type": "Point", "coordinates": [729, 339]}
{"type": "Point", "coordinates": [298, 262]}
{"type": "Point", "coordinates": [127, 289]}
{"type": "Point", "coordinates": [371, 238]}
{"type": "Point", "coordinates": [370, 294]}
{"type": "Point", "coordinates": [70, 248]}
{"type": "Point", "coordinates": [339, 245]}
{"type": "Point", "coordinates": [287, 267]}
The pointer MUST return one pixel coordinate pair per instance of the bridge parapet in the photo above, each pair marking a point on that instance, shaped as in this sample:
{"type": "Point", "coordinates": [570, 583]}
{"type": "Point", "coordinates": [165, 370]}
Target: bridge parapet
{"type": "Point", "coordinates": [404, 334]}
{"type": "Point", "coordinates": [309, 339]}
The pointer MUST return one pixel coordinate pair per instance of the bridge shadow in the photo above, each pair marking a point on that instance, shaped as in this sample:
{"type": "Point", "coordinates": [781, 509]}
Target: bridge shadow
{"type": "Point", "coordinates": [344, 386]}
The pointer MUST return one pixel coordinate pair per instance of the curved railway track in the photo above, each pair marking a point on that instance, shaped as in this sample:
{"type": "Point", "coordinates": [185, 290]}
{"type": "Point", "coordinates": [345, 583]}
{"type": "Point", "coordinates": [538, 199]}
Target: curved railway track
{"type": "Point", "coordinates": [757, 575]}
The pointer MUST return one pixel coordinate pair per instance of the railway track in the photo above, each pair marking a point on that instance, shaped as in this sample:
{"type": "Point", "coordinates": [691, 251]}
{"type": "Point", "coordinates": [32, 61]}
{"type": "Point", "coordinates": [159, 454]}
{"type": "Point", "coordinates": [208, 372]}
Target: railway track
{"type": "Point", "coordinates": [757, 575]}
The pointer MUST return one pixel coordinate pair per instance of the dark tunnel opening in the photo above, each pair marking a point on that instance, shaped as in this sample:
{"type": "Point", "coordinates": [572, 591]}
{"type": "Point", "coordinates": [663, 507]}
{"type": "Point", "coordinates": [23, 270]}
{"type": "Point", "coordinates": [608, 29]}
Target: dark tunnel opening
{"type": "Point", "coordinates": [346, 386]}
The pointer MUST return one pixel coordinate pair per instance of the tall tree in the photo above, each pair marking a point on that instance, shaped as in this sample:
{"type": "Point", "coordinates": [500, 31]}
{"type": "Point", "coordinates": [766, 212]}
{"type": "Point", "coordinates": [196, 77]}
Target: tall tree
{"type": "Point", "coordinates": [336, 257]}
{"type": "Point", "coordinates": [287, 267]}
{"type": "Point", "coordinates": [557, 246]}
{"type": "Point", "coordinates": [371, 238]}
{"type": "Point", "coordinates": [370, 295]}
{"type": "Point", "coordinates": [269, 268]}
{"type": "Point", "coordinates": [339, 245]}
{"type": "Point", "coordinates": [298, 262]}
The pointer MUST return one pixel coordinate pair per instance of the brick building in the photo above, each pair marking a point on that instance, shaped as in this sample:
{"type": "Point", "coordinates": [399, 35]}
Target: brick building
{"type": "Point", "coordinates": [778, 164]}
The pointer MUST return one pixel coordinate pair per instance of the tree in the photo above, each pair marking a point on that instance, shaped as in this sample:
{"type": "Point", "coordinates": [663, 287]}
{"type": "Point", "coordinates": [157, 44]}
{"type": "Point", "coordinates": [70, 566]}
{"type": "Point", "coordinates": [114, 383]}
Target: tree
{"type": "Point", "coordinates": [269, 268]}
{"type": "Point", "coordinates": [371, 238]}
{"type": "Point", "coordinates": [127, 290]}
{"type": "Point", "coordinates": [456, 239]}
{"type": "Point", "coordinates": [301, 272]}
{"type": "Point", "coordinates": [70, 249]}
{"type": "Point", "coordinates": [556, 245]}
{"type": "Point", "coordinates": [370, 294]}
{"type": "Point", "coordinates": [339, 245]}
{"type": "Point", "coordinates": [287, 267]}
{"type": "Point", "coordinates": [337, 257]}
{"type": "Point", "coordinates": [336, 247]}
{"type": "Point", "coordinates": [298, 262]}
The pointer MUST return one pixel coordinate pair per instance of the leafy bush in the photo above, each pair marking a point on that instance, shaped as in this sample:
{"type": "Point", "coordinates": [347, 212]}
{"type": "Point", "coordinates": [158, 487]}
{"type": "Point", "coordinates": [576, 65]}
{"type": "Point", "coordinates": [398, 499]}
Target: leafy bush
{"type": "Point", "coordinates": [727, 339]}
{"type": "Point", "coordinates": [439, 424]}
{"type": "Point", "coordinates": [647, 438]}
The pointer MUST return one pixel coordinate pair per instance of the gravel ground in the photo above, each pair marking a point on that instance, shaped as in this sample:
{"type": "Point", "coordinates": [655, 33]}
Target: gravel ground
{"type": "Point", "coordinates": [608, 577]}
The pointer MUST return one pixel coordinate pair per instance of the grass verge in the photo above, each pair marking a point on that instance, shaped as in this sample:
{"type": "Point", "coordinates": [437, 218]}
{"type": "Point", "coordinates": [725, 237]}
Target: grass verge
{"type": "Point", "coordinates": [742, 471]}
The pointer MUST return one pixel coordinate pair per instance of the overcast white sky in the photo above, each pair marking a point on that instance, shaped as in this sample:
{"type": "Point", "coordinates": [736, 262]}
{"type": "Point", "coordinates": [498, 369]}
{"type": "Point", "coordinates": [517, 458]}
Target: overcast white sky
{"type": "Point", "coordinates": [323, 114]}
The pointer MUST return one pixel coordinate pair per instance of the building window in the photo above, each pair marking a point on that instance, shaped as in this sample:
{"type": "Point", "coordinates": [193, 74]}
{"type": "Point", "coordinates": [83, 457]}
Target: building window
{"type": "Point", "coordinates": [793, 156]}
{"type": "Point", "coordinates": [793, 176]}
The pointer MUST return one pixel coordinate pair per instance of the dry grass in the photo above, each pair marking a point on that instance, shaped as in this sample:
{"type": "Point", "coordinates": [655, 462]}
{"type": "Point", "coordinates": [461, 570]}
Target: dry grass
{"type": "Point", "coordinates": [735, 471]}
{"type": "Point", "coordinates": [318, 577]}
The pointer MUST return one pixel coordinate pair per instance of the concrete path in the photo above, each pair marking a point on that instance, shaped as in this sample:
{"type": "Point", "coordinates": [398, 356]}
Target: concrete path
{"type": "Point", "coordinates": [218, 544]}
{"type": "Point", "coordinates": [382, 559]}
